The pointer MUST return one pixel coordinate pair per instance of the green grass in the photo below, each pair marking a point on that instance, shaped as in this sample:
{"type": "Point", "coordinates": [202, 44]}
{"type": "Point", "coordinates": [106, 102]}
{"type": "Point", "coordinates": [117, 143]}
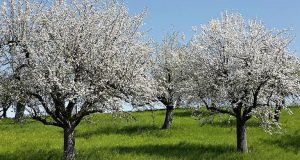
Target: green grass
{"type": "Point", "coordinates": [105, 138]}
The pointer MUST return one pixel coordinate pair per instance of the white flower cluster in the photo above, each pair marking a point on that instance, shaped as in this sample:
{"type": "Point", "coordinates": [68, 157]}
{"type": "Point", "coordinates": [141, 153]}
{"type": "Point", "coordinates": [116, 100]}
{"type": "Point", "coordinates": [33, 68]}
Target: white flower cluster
{"type": "Point", "coordinates": [75, 55]}
{"type": "Point", "coordinates": [242, 68]}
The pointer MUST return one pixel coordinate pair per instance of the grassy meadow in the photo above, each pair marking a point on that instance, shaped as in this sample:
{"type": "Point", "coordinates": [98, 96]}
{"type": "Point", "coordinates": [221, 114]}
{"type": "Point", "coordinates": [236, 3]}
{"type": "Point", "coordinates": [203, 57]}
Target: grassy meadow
{"type": "Point", "coordinates": [100, 136]}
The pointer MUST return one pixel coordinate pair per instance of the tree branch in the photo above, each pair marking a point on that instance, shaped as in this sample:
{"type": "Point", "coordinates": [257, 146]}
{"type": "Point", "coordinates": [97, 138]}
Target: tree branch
{"type": "Point", "coordinates": [78, 117]}
{"type": "Point", "coordinates": [43, 120]}
{"type": "Point", "coordinates": [48, 111]}
{"type": "Point", "coordinates": [214, 108]}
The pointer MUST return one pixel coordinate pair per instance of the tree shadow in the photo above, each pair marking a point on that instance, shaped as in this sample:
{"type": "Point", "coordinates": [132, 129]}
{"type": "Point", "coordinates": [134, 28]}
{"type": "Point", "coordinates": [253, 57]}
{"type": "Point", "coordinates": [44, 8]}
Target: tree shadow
{"type": "Point", "coordinates": [160, 151]}
{"type": "Point", "coordinates": [180, 151]}
{"type": "Point", "coordinates": [127, 130]}
{"type": "Point", "coordinates": [181, 113]}
{"type": "Point", "coordinates": [24, 153]}
{"type": "Point", "coordinates": [232, 123]}
{"type": "Point", "coordinates": [287, 142]}
{"type": "Point", "coordinates": [220, 120]}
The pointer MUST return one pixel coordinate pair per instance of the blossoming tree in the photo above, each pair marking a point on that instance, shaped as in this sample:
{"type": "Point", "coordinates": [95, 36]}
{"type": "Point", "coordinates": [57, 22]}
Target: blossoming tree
{"type": "Point", "coordinates": [78, 58]}
{"type": "Point", "coordinates": [243, 69]}
{"type": "Point", "coordinates": [6, 95]}
{"type": "Point", "coordinates": [12, 29]}
{"type": "Point", "coordinates": [167, 71]}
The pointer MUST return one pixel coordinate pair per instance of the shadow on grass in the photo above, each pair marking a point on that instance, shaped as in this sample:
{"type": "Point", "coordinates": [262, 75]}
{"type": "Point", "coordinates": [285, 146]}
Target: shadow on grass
{"type": "Point", "coordinates": [127, 130]}
{"type": "Point", "coordinates": [232, 123]}
{"type": "Point", "coordinates": [23, 154]}
{"type": "Point", "coordinates": [152, 151]}
{"type": "Point", "coordinates": [180, 151]}
{"type": "Point", "coordinates": [182, 113]}
{"type": "Point", "coordinates": [177, 112]}
{"type": "Point", "coordinates": [287, 142]}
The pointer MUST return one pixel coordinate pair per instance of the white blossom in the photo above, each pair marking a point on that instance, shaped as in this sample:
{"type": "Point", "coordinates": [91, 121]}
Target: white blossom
{"type": "Point", "coordinates": [242, 68]}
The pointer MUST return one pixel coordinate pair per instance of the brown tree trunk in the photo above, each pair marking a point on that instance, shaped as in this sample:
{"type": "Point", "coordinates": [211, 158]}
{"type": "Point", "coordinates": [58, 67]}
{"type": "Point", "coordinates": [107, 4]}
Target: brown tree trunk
{"type": "Point", "coordinates": [20, 108]}
{"type": "Point", "coordinates": [169, 117]}
{"type": "Point", "coordinates": [69, 144]}
{"type": "Point", "coordinates": [241, 135]}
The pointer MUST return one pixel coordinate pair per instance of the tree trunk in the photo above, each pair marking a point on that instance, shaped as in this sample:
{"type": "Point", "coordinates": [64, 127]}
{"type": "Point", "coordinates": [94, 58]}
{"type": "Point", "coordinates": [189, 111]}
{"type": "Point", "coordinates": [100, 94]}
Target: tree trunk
{"type": "Point", "coordinates": [241, 135]}
{"type": "Point", "coordinates": [277, 114]}
{"type": "Point", "coordinates": [169, 117]}
{"type": "Point", "coordinates": [69, 144]}
{"type": "Point", "coordinates": [4, 112]}
{"type": "Point", "coordinates": [20, 108]}
{"type": "Point", "coordinates": [278, 111]}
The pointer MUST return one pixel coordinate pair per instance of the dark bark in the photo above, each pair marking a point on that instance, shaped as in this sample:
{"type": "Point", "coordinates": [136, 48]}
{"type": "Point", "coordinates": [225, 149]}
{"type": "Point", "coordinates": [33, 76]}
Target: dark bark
{"type": "Point", "coordinates": [4, 112]}
{"type": "Point", "coordinates": [241, 135]}
{"type": "Point", "coordinates": [278, 111]}
{"type": "Point", "coordinates": [61, 116]}
{"type": "Point", "coordinates": [169, 117]}
{"type": "Point", "coordinates": [20, 108]}
{"type": "Point", "coordinates": [69, 144]}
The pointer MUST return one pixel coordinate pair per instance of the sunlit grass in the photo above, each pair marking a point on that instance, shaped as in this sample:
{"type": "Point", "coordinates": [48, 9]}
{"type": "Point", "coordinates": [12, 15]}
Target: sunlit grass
{"type": "Point", "coordinates": [102, 137]}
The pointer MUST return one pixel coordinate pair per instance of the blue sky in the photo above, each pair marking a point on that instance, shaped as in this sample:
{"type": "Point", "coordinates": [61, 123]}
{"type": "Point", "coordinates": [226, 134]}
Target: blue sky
{"type": "Point", "coordinates": [181, 15]}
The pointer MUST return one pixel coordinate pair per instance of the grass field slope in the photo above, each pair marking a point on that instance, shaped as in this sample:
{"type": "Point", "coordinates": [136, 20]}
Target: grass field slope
{"type": "Point", "coordinates": [101, 136]}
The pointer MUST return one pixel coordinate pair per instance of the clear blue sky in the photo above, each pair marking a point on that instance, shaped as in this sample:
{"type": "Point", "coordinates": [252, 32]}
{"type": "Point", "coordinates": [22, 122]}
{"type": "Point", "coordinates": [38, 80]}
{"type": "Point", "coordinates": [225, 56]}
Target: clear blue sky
{"type": "Point", "coordinates": [164, 15]}
{"type": "Point", "coordinates": [181, 15]}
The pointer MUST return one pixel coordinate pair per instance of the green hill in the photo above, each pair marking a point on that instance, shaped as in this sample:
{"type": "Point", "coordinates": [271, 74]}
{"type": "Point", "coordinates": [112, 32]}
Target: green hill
{"type": "Point", "coordinates": [100, 136]}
